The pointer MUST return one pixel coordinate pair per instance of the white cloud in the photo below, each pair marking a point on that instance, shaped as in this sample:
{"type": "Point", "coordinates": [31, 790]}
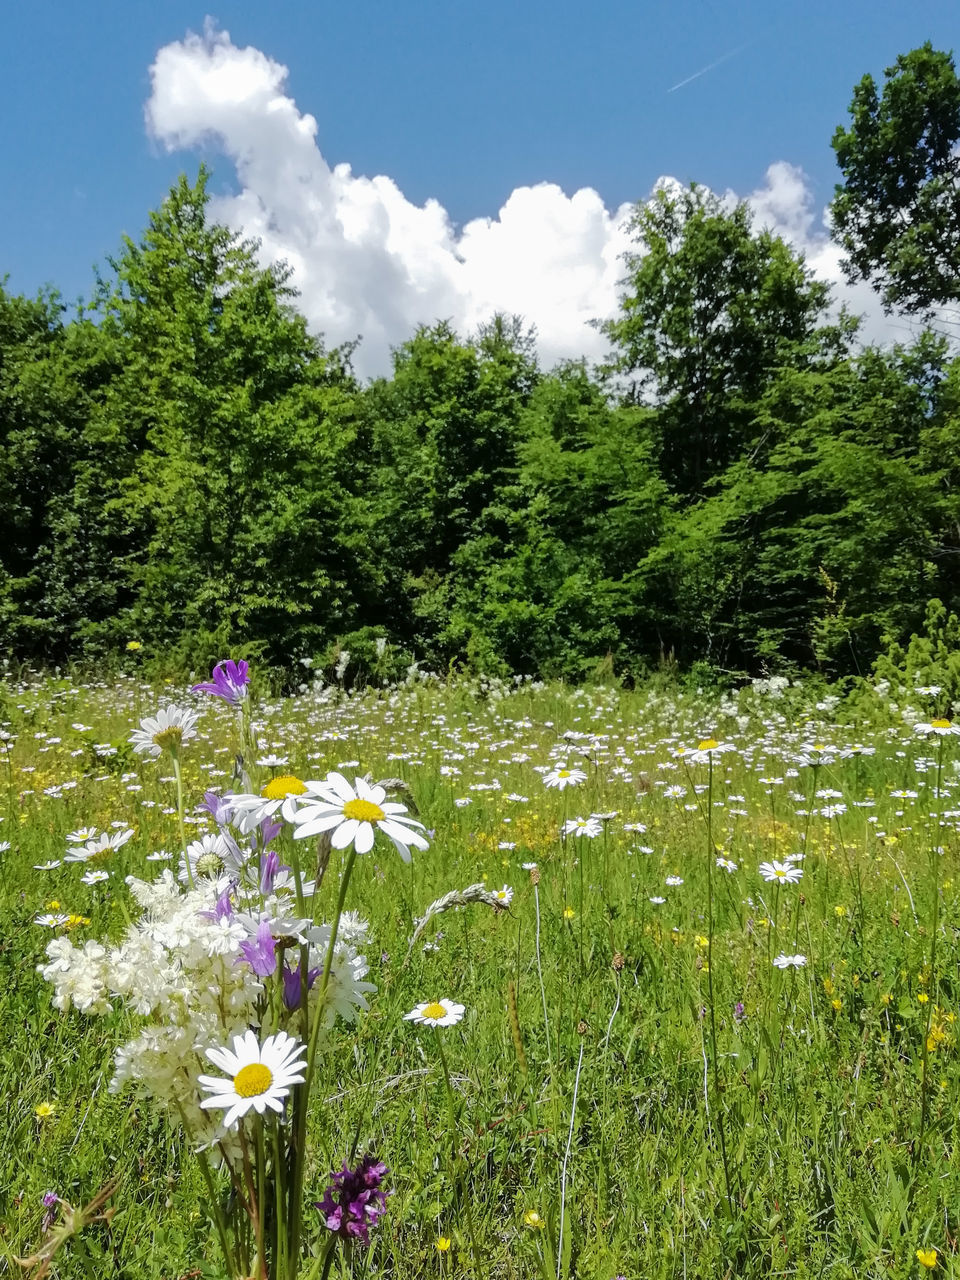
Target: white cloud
{"type": "Point", "coordinates": [369, 262]}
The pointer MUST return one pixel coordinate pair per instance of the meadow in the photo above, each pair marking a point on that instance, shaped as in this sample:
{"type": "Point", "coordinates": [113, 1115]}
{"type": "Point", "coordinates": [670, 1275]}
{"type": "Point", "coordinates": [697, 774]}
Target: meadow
{"type": "Point", "coordinates": [709, 978]}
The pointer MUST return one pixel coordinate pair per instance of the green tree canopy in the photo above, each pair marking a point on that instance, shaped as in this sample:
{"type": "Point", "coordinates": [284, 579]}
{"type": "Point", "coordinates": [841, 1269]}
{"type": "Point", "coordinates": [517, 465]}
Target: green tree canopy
{"type": "Point", "coordinates": [897, 212]}
{"type": "Point", "coordinates": [711, 309]}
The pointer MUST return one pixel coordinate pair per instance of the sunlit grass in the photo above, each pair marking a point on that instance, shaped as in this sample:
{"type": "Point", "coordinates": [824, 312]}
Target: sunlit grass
{"type": "Point", "coordinates": [684, 1039]}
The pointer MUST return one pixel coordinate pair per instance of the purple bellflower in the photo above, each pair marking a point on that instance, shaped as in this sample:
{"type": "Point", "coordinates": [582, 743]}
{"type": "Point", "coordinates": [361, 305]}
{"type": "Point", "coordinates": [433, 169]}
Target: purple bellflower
{"type": "Point", "coordinates": [353, 1201]}
{"type": "Point", "coordinates": [228, 681]}
{"type": "Point", "coordinates": [261, 954]}
{"type": "Point", "coordinates": [269, 829]}
{"type": "Point", "coordinates": [217, 806]}
{"type": "Point", "coordinates": [270, 868]}
{"type": "Point", "coordinates": [292, 985]}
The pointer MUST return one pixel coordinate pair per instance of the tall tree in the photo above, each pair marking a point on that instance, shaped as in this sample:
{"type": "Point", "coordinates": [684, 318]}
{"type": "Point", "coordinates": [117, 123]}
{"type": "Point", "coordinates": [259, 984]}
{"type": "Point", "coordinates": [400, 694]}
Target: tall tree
{"type": "Point", "coordinates": [711, 309]}
{"type": "Point", "coordinates": [897, 211]}
{"type": "Point", "coordinates": [233, 424]}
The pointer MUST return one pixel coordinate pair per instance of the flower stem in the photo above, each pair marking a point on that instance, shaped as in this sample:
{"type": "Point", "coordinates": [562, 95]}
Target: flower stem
{"type": "Point", "coordinates": [455, 1160]}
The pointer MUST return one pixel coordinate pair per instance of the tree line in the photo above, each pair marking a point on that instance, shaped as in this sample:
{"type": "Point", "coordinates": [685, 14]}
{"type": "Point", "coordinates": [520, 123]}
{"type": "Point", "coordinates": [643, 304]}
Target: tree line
{"type": "Point", "coordinates": [742, 483]}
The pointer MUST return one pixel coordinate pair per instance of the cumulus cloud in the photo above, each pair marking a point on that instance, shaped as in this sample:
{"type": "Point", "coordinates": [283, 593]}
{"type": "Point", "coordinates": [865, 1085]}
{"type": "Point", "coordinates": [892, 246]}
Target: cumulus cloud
{"type": "Point", "coordinates": [369, 262]}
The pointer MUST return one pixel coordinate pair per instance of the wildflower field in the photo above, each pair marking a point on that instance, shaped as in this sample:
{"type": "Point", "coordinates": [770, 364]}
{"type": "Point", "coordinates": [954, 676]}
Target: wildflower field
{"type": "Point", "coordinates": [477, 979]}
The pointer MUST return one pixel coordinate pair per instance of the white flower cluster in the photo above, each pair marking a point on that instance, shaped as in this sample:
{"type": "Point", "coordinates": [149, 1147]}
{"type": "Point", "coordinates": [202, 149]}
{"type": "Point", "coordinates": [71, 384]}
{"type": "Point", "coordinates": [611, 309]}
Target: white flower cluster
{"type": "Point", "coordinates": [183, 968]}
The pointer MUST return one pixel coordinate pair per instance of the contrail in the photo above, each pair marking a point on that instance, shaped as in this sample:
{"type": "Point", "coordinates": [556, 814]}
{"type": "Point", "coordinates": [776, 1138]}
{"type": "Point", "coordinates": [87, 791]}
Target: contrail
{"type": "Point", "coordinates": [709, 67]}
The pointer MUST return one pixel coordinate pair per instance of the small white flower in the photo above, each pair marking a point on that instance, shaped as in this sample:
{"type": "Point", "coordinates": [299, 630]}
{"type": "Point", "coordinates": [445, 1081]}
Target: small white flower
{"type": "Point", "coordinates": [658, 902]}
{"type": "Point", "coordinates": [260, 1075]}
{"type": "Point", "coordinates": [82, 835]}
{"type": "Point", "coordinates": [560, 776]}
{"type": "Point", "coordinates": [673, 881]}
{"type": "Point", "coordinates": [102, 847]}
{"type": "Point", "coordinates": [784, 872]}
{"type": "Point", "coordinates": [784, 961]}
{"type": "Point", "coordinates": [504, 895]}
{"type": "Point", "coordinates": [350, 815]}
{"type": "Point", "coordinates": [436, 1013]}
{"type": "Point", "coordinates": [588, 827]}
{"type": "Point", "coordinates": [942, 728]}
{"type": "Point", "coordinates": [168, 730]}
{"type": "Point", "coordinates": [94, 877]}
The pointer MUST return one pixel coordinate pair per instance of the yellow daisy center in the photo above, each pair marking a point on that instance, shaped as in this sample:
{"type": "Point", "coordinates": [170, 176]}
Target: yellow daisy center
{"type": "Point", "coordinates": [280, 788]}
{"type": "Point", "coordinates": [434, 1010]}
{"type": "Point", "coordinates": [939, 724]}
{"type": "Point", "coordinates": [563, 773]}
{"type": "Point", "coordinates": [365, 811]}
{"type": "Point", "coordinates": [170, 738]}
{"type": "Point", "coordinates": [252, 1080]}
{"type": "Point", "coordinates": [708, 744]}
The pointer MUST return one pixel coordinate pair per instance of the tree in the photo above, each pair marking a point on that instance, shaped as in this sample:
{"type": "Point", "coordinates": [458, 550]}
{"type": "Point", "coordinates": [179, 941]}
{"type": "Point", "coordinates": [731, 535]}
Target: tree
{"type": "Point", "coordinates": [897, 212]}
{"type": "Point", "coordinates": [228, 426]}
{"type": "Point", "coordinates": [711, 309]}
{"type": "Point", "coordinates": [443, 437]}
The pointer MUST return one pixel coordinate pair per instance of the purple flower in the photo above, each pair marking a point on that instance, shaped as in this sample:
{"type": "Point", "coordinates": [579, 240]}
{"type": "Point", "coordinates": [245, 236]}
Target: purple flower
{"type": "Point", "coordinates": [223, 907]}
{"type": "Point", "coordinates": [739, 1013]}
{"type": "Point", "coordinates": [217, 806]}
{"type": "Point", "coordinates": [50, 1202]}
{"type": "Point", "coordinates": [291, 984]}
{"type": "Point", "coordinates": [269, 829]}
{"type": "Point", "coordinates": [260, 955]}
{"type": "Point", "coordinates": [353, 1201]}
{"type": "Point", "coordinates": [270, 867]}
{"type": "Point", "coordinates": [228, 681]}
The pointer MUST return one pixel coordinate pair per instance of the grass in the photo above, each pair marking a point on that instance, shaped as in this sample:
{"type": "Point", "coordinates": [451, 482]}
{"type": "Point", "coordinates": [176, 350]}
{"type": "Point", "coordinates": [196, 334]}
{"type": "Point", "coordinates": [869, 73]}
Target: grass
{"type": "Point", "coordinates": [631, 1062]}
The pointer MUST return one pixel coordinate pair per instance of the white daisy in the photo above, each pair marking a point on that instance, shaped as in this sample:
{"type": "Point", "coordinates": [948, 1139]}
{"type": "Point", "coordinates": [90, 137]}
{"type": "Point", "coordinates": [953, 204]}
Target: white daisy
{"type": "Point", "coordinates": [210, 857]}
{"type": "Point", "coordinates": [82, 835]}
{"type": "Point", "coordinates": [784, 872]}
{"type": "Point", "coordinates": [784, 961]}
{"type": "Point", "coordinates": [707, 748]}
{"type": "Point", "coordinates": [435, 1013]}
{"type": "Point", "coordinates": [260, 1076]}
{"type": "Point", "coordinates": [168, 730]}
{"type": "Point", "coordinates": [46, 866]}
{"type": "Point", "coordinates": [504, 895]}
{"type": "Point", "coordinates": [94, 877]}
{"type": "Point", "coordinates": [589, 827]}
{"type": "Point", "coordinates": [559, 776]}
{"type": "Point", "coordinates": [350, 815]}
{"type": "Point", "coordinates": [102, 847]}
{"type": "Point", "coordinates": [281, 793]}
{"type": "Point", "coordinates": [942, 728]}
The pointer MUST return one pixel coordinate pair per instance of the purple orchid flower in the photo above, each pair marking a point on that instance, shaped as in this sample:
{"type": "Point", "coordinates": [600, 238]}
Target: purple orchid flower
{"type": "Point", "coordinates": [292, 986]}
{"type": "Point", "coordinates": [228, 681]}
{"type": "Point", "coordinates": [353, 1201]}
{"type": "Point", "coordinates": [260, 955]}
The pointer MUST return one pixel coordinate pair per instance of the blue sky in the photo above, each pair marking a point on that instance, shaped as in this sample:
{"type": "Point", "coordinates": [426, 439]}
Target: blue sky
{"type": "Point", "coordinates": [456, 100]}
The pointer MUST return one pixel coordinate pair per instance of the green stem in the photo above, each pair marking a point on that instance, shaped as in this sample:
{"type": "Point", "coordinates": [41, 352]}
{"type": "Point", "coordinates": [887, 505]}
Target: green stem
{"type": "Point", "coordinates": [298, 1146]}
{"type": "Point", "coordinates": [714, 1053]}
{"type": "Point", "coordinates": [931, 1002]}
{"type": "Point", "coordinates": [455, 1161]}
{"type": "Point", "coordinates": [180, 816]}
